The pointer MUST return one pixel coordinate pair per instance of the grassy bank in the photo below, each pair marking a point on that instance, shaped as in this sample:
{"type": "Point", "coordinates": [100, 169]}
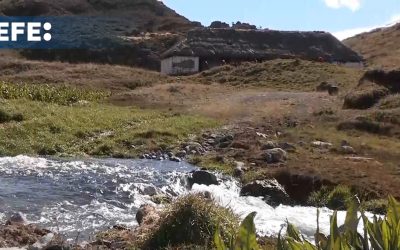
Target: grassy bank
{"type": "Point", "coordinates": [91, 128]}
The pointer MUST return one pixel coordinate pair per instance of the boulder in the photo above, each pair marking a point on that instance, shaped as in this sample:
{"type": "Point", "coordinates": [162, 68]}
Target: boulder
{"type": "Point", "coordinates": [43, 242]}
{"type": "Point", "coordinates": [194, 147]}
{"type": "Point", "coordinates": [175, 159]}
{"type": "Point", "coordinates": [146, 189]}
{"type": "Point", "coordinates": [347, 150]}
{"type": "Point", "coordinates": [146, 214]}
{"type": "Point", "coordinates": [299, 187]}
{"type": "Point", "coordinates": [203, 177]}
{"type": "Point", "coordinates": [269, 145]}
{"type": "Point", "coordinates": [273, 193]}
{"type": "Point", "coordinates": [17, 218]}
{"type": "Point", "coordinates": [275, 155]}
{"type": "Point", "coordinates": [321, 144]}
{"type": "Point", "coordinates": [333, 90]}
{"type": "Point", "coordinates": [181, 154]}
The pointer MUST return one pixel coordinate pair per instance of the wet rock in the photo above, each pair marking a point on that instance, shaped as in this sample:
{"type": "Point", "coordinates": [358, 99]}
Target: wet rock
{"type": "Point", "coordinates": [321, 144]}
{"type": "Point", "coordinates": [203, 178]}
{"type": "Point", "coordinates": [42, 242]}
{"type": "Point", "coordinates": [239, 169]}
{"type": "Point", "coordinates": [146, 214]}
{"type": "Point", "coordinates": [175, 159]}
{"type": "Point", "coordinates": [275, 155]}
{"type": "Point", "coordinates": [273, 193]}
{"type": "Point", "coordinates": [17, 218]}
{"type": "Point", "coordinates": [181, 154]}
{"type": "Point", "coordinates": [269, 145]}
{"type": "Point", "coordinates": [238, 172]}
{"type": "Point", "coordinates": [149, 190]}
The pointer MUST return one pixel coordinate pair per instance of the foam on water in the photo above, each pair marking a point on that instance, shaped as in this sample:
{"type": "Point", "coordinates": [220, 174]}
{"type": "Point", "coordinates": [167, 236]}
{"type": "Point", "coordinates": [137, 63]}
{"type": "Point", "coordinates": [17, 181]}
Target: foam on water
{"type": "Point", "coordinates": [85, 197]}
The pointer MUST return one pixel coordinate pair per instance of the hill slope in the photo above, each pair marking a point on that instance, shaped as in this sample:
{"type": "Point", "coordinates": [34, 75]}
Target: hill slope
{"type": "Point", "coordinates": [147, 15]}
{"type": "Point", "coordinates": [150, 26]}
{"type": "Point", "coordinates": [380, 47]}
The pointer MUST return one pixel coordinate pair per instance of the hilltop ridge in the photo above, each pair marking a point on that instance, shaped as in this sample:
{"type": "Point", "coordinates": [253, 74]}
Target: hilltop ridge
{"type": "Point", "coordinates": [379, 47]}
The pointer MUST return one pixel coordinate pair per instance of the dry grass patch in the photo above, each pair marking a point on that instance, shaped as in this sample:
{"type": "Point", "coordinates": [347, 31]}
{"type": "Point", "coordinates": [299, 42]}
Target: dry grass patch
{"type": "Point", "coordinates": [282, 74]}
{"type": "Point", "coordinates": [101, 76]}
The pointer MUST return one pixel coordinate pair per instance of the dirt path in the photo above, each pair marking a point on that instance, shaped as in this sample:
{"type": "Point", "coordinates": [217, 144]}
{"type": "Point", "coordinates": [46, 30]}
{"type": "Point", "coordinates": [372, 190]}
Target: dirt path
{"type": "Point", "coordinates": [232, 104]}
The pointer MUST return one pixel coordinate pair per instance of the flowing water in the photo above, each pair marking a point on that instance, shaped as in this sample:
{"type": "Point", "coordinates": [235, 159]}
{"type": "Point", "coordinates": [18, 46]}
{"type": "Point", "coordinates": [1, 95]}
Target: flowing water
{"type": "Point", "coordinates": [75, 197]}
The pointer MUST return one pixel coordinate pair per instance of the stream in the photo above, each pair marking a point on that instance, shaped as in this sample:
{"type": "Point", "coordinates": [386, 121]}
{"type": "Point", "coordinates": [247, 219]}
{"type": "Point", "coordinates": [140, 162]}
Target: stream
{"type": "Point", "coordinates": [79, 198]}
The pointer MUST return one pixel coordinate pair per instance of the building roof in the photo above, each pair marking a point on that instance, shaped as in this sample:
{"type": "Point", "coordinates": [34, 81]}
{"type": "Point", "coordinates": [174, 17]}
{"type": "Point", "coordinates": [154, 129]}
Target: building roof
{"type": "Point", "coordinates": [262, 44]}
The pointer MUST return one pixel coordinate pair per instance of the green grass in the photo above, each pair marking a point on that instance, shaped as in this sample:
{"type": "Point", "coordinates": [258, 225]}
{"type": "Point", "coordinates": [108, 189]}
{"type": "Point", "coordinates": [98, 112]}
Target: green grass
{"type": "Point", "coordinates": [94, 129]}
{"type": "Point", "coordinates": [63, 95]}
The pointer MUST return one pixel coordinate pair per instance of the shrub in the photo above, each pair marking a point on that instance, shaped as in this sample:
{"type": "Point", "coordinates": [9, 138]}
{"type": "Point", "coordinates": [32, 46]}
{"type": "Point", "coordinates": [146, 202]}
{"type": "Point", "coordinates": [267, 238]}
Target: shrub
{"type": "Point", "coordinates": [390, 102]}
{"type": "Point", "coordinates": [192, 220]}
{"type": "Point", "coordinates": [7, 117]}
{"type": "Point", "coordinates": [338, 197]}
{"type": "Point", "coordinates": [375, 206]}
{"type": "Point", "coordinates": [319, 198]}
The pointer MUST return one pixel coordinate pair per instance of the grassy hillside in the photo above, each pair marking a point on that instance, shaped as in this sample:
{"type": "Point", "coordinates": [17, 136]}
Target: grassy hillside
{"type": "Point", "coordinates": [282, 74]}
{"type": "Point", "coordinates": [100, 76]}
{"type": "Point", "coordinates": [380, 47]}
{"type": "Point", "coordinates": [145, 15]}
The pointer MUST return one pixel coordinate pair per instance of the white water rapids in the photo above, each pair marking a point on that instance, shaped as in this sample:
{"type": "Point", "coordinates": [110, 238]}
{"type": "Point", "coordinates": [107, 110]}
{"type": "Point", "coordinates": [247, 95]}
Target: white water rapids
{"type": "Point", "coordinates": [75, 197]}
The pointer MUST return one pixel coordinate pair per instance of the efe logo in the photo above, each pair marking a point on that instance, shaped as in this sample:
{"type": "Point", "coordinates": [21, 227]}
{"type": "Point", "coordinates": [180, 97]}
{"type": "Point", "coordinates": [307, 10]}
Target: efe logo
{"type": "Point", "coordinates": [27, 31]}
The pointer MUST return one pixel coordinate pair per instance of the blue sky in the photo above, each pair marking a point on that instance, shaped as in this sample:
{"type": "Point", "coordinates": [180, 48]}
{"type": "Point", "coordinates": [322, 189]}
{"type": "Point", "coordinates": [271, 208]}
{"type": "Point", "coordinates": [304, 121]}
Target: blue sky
{"type": "Point", "coordinates": [341, 17]}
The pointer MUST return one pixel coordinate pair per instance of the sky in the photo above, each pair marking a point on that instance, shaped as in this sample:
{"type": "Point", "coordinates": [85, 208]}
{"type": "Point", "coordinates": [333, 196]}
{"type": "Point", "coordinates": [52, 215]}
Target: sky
{"type": "Point", "coordinates": [343, 18]}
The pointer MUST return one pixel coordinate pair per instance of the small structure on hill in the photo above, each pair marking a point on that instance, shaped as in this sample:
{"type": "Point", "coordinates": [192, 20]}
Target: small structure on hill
{"type": "Point", "coordinates": [206, 48]}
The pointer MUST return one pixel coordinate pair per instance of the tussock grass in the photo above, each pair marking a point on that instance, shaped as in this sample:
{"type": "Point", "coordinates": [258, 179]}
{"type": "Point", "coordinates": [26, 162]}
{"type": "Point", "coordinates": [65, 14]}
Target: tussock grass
{"type": "Point", "coordinates": [390, 102]}
{"type": "Point", "coordinates": [192, 220]}
{"type": "Point", "coordinates": [94, 129]}
{"type": "Point", "coordinates": [365, 98]}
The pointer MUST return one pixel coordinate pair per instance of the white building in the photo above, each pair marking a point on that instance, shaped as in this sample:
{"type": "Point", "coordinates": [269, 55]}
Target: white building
{"type": "Point", "coordinates": [180, 65]}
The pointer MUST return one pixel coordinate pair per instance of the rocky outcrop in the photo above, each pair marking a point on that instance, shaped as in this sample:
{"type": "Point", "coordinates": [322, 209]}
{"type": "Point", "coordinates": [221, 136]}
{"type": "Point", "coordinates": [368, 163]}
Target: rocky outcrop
{"type": "Point", "coordinates": [150, 25]}
{"type": "Point", "coordinates": [299, 186]}
{"type": "Point", "coordinates": [274, 194]}
{"type": "Point", "coordinates": [219, 25]}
